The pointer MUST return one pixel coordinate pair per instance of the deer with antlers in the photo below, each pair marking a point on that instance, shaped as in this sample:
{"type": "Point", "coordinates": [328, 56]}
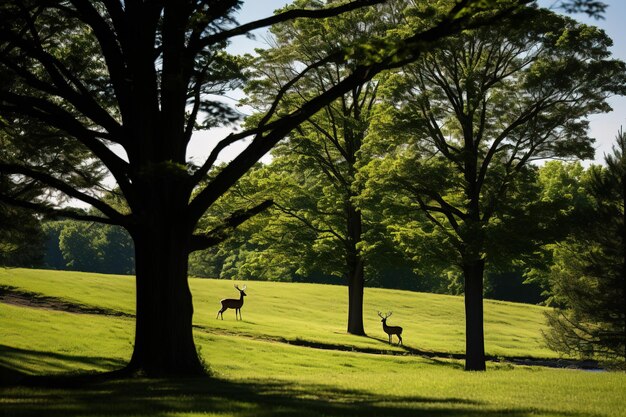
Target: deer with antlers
{"type": "Point", "coordinates": [233, 303]}
{"type": "Point", "coordinates": [390, 330]}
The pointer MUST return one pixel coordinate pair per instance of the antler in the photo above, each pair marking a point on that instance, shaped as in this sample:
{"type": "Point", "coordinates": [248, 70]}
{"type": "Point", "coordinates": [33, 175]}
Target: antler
{"type": "Point", "coordinates": [385, 316]}
{"type": "Point", "coordinates": [241, 289]}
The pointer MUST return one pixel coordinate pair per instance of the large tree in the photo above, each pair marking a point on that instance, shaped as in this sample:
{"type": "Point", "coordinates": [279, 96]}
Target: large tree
{"type": "Point", "coordinates": [129, 82]}
{"type": "Point", "coordinates": [469, 118]}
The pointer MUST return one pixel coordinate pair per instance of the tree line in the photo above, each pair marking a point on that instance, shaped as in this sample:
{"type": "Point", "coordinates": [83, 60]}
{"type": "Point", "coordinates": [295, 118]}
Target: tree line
{"type": "Point", "coordinates": [398, 129]}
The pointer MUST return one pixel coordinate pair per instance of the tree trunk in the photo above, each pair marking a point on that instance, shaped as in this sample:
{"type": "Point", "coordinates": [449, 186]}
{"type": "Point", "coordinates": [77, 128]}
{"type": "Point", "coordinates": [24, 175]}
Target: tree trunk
{"type": "Point", "coordinates": [164, 344]}
{"type": "Point", "coordinates": [356, 284]}
{"type": "Point", "coordinates": [474, 332]}
{"type": "Point", "coordinates": [355, 269]}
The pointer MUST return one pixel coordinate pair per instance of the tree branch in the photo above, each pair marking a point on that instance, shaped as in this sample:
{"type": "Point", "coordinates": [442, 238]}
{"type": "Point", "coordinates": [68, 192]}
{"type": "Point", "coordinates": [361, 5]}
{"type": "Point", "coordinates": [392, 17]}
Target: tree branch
{"type": "Point", "coordinates": [308, 224]}
{"type": "Point", "coordinates": [407, 50]}
{"type": "Point", "coordinates": [82, 99]}
{"type": "Point", "coordinates": [108, 41]}
{"type": "Point", "coordinates": [59, 118]}
{"type": "Point", "coordinates": [283, 17]}
{"type": "Point", "coordinates": [223, 231]}
{"type": "Point", "coordinates": [52, 212]}
{"type": "Point", "coordinates": [65, 188]}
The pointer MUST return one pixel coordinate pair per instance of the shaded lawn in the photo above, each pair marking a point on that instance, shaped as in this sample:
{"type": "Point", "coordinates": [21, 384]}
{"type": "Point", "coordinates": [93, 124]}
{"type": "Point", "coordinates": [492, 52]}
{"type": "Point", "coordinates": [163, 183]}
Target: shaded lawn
{"type": "Point", "coordinates": [424, 389]}
{"type": "Point", "coordinates": [215, 397]}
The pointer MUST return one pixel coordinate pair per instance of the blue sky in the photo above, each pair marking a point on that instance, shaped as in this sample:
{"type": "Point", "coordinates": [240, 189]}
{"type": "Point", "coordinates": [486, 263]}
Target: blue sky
{"type": "Point", "coordinates": [604, 127]}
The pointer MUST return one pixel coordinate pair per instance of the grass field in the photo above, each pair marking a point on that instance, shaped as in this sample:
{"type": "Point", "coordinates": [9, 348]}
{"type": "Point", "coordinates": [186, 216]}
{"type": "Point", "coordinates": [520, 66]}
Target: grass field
{"type": "Point", "coordinates": [289, 356]}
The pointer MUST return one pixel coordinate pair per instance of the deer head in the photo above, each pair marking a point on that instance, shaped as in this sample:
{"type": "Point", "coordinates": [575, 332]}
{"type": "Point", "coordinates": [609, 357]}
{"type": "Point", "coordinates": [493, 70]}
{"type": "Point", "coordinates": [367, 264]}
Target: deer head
{"type": "Point", "coordinates": [241, 290]}
{"type": "Point", "coordinates": [385, 317]}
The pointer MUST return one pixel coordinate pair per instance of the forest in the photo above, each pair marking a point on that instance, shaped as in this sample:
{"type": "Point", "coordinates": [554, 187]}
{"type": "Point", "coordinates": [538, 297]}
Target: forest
{"type": "Point", "coordinates": [434, 147]}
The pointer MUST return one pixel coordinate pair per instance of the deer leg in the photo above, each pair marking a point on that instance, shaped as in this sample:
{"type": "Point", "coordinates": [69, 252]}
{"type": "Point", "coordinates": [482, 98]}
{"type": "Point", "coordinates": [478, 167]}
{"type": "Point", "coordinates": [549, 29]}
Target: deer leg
{"type": "Point", "coordinates": [240, 318]}
{"type": "Point", "coordinates": [220, 313]}
{"type": "Point", "coordinates": [389, 338]}
{"type": "Point", "coordinates": [399, 340]}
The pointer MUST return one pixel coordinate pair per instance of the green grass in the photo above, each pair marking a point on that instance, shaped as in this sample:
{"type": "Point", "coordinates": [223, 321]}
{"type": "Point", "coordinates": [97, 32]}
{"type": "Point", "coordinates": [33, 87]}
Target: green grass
{"type": "Point", "coordinates": [255, 373]}
{"type": "Point", "coordinates": [314, 313]}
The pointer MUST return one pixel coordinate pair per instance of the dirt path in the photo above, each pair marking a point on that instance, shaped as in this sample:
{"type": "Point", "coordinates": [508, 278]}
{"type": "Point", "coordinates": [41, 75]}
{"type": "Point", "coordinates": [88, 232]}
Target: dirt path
{"type": "Point", "coordinates": [16, 296]}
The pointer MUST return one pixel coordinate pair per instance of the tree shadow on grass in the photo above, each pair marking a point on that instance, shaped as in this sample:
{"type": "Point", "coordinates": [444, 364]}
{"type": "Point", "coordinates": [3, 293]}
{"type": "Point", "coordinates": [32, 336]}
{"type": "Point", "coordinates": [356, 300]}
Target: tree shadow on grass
{"type": "Point", "coordinates": [443, 358]}
{"type": "Point", "coordinates": [96, 395]}
{"type": "Point", "coordinates": [15, 362]}
{"type": "Point", "coordinates": [160, 398]}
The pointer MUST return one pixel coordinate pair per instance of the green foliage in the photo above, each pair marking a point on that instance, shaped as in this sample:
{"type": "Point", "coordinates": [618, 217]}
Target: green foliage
{"type": "Point", "coordinates": [315, 227]}
{"type": "Point", "coordinates": [587, 278]}
{"type": "Point", "coordinates": [21, 238]}
{"type": "Point", "coordinates": [456, 132]}
{"type": "Point", "coordinates": [89, 247]}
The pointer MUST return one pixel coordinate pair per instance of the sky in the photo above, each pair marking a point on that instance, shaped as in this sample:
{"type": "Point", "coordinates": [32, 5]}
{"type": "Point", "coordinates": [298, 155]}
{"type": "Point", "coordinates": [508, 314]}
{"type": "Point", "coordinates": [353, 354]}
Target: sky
{"type": "Point", "coordinates": [603, 127]}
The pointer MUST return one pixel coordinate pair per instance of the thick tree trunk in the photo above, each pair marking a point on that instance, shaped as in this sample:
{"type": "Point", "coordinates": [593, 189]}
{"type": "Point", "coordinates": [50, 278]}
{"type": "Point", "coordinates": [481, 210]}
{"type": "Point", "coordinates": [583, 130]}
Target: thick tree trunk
{"type": "Point", "coordinates": [164, 344]}
{"type": "Point", "coordinates": [355, 269]}
{"type": "Point", "coordinates": [356, 284]}
{"type": "Point", "coordinates": [474, 333]}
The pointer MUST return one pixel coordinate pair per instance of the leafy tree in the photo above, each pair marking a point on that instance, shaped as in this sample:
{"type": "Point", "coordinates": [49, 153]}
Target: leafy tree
{"type": "Point", "coordinates": [313, 172]}
{"type": "Point", "coordinates": [89, 247]}
{"type": "Point", "coordinates": [93, 247]}
{"type": "Point", "coordinates": [467, 119]}
{"type": "Point", "coordinates": [21, 235]}
{"type": "Point", "coordinates": [21, 238]}
{"type": "Point", "coordinates": [75, 242]}
{"type": "Point", "coordinates": [143, 76]}
{"type": "Point", "coordinates": [586, 281]}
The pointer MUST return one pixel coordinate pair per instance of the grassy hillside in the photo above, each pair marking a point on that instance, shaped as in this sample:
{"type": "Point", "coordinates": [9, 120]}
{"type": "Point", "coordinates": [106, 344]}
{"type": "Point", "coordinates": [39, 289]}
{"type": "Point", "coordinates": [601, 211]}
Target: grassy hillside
{"type": "Point", "coordinates": [257, 373]}
{"type": "Point", "coordinates": [313, 313]}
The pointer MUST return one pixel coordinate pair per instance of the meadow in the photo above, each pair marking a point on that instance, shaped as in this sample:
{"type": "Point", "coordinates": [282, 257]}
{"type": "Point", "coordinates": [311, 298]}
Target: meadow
{"type": "Point", "coordinates": [290, 355]}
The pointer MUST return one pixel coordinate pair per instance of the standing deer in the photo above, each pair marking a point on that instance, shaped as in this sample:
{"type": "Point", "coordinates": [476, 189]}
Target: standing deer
{"type": "Point", "coordinates": [233, 303]}
{"type": "Point", "coordinates": [391, 330]}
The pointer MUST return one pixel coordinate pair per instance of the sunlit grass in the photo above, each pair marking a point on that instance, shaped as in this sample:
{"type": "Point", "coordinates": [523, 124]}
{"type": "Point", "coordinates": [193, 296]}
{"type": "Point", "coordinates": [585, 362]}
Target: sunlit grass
{"type": "Point", "coordinates": [314, 313]}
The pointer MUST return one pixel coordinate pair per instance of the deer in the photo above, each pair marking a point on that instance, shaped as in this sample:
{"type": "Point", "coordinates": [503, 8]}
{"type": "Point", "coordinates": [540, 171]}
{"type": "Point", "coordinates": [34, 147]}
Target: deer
{"type": "Point", "coordinates": [390, 330]}
{"type": "Point", "coordinates": [233, 303]}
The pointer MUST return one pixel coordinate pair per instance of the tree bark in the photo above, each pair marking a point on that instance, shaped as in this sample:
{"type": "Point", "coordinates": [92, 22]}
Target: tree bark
{"type": "Point", "coordinates": [474, 332]}
{"type": "Point", "coordinates": [356, 284]}
{"type": "Point", "coordinates": [355, 269]}
{"type": "Point", "coordinates": [164, 344]}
